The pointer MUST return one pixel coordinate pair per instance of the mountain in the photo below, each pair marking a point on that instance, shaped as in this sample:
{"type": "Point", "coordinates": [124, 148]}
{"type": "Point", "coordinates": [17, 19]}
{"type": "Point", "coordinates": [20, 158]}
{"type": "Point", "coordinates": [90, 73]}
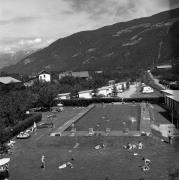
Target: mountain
{"type": "Point", "coordinates": [131, 45]}
{"type": "Point", "coordinates": [12, 57]}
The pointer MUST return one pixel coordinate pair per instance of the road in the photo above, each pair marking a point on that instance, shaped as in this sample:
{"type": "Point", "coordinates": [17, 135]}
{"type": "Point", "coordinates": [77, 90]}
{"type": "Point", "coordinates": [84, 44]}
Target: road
{"type": "Point", "coordinates": [128, 93]}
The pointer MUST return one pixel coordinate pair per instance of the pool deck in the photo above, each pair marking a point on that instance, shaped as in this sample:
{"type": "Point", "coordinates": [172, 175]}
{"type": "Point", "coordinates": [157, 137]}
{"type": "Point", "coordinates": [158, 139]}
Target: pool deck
{"type": "Point", "coordinates": [145, 120]}
{"type": "Point", "coordinates": [101, 133]}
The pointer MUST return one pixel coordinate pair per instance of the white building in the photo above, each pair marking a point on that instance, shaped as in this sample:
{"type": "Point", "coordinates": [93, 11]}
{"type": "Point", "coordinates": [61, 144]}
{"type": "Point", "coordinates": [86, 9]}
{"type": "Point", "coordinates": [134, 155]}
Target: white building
{"type": "Point", "coordinates": [44, 76]}
{"type": "Point", "coordinates": [172, 102]}
{"type": "Point", "coordinates": [85, 94]}
{"type": "Point", "coordinates": [63, 96]}
{"type": "Point", "coordinates": [120, 85]}
{"type": "Point", "coordinates": [105, 91]}
{"type": "Point", "coordinates": [165, 66]}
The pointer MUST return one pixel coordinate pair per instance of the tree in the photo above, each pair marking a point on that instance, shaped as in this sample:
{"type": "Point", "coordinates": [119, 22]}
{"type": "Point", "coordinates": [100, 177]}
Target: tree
{"type": "Point", "coordinates": [94, 92]}
{"type": "Point", "coordinates": [127, 85]}
{"type": "Point", "coordinates": [114, 91]}
{"type": "Point", "coordinates": [46, 95]}
{"type": "Point", "coordinates": [74, 94]}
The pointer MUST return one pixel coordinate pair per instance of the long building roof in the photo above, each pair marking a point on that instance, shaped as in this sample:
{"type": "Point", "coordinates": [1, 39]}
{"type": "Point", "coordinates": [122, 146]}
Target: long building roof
{"type": "Point", "coordinates": [8, 80]}
{"type": "Point", "coordinates": [175, 98]}
{"type": "Point", "coordinates": [82, 74]}
{"type": "Point", "coordinates": [173, 94]}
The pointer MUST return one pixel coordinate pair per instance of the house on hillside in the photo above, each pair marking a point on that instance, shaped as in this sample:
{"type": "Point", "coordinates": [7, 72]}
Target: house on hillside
{"type": "Point", "coordinates": [64, 74]}
{"type": "Point", "coordinates": [80, 74]}
{"type": "Point", "coordinates": [86, 94]}
{"type": "Point", "coordinates": [44, 76]}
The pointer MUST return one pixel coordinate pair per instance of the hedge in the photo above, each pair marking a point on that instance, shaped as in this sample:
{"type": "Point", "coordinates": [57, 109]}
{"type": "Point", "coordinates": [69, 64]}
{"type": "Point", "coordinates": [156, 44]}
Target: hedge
{"type": "Point", "coordinates": [86, 102]}
{"type": "Point", "coordinates": [26, 123]}
{"type": "Point", "coordinates": [21, 126]}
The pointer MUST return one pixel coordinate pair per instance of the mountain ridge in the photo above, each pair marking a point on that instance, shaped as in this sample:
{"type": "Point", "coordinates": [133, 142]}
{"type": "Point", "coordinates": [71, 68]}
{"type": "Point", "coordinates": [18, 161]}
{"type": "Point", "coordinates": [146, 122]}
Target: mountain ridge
{"type": "Point", "coordinates": [135, 44]}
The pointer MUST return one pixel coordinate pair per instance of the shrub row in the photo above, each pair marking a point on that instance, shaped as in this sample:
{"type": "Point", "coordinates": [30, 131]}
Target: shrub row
{"type": "Point", "coordinates": [21, 126]}
{"type": "Point", "coordinates": [86, 102]}
{"type": "Point", "coordinates": [26, 123]}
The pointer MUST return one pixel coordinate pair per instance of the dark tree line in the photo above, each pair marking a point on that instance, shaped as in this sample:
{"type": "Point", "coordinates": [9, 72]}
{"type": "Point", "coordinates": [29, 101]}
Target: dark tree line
{"type": "Point", "coordinates": [15, 100]}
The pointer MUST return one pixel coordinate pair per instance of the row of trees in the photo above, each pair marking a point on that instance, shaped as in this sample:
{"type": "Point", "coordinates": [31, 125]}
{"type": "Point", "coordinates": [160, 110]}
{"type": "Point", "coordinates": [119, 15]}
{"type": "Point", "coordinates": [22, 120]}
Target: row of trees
{"type": "Point", "coordinates": [15, 100]}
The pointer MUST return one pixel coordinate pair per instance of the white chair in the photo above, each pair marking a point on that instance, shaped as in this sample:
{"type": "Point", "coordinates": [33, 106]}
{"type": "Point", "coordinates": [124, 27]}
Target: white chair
{"type": "Point", "coordinates": [107, 130]}
{"type": "Point", "coordinates": [91, 132]}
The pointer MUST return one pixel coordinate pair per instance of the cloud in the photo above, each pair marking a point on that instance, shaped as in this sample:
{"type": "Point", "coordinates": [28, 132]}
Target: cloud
{"type": "Point", "coordinates": [27, 20]}
{"type": "Point", "coordinates": [29, 42]}
{"type": "Point", "coordinates": [119, 10]}
{"type": "Point", "coordinates": [18, 20]}
{"type": "Point", "coordinates": [174, 3]}
{"type": "Point", "coordinates": [12, 45]}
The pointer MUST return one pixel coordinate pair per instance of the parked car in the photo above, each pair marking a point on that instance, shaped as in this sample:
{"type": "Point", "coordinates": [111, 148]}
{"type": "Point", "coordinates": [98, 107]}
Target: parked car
{"type": "Point", "coordinates": [23, 135]}
{"type": "Point", "coordinates": [45, 125]}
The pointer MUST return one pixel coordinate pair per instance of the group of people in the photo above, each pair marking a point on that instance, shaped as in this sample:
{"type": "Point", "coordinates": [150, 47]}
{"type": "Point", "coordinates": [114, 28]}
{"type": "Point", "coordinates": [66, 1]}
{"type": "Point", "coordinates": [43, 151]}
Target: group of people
{"type": "Point", "coordinates": [130, 146]}
{"type": "Point", "coordinates": [147, 162]}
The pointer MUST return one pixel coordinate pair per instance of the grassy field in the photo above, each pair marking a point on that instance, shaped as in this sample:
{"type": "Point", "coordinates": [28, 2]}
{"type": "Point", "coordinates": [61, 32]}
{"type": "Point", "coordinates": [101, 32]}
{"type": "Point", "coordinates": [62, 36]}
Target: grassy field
{"type": "Point", "coordinates": [111, 116]}
{"type": "Point", "coordinates": [89, 163]}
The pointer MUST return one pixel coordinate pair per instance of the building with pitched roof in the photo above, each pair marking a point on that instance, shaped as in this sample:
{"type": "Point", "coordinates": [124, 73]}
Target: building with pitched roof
{"type": "Point", "coordinates": [44, 76]}
{"type": "Point", "coordinates": [80, 74]}
{"type": "Point", "coordinates": [8, 80]}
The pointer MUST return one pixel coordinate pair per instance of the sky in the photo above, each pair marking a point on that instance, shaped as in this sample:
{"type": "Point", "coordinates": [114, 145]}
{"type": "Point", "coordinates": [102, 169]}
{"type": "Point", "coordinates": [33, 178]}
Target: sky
{"type": "Point", "coordinates": [37, 23]}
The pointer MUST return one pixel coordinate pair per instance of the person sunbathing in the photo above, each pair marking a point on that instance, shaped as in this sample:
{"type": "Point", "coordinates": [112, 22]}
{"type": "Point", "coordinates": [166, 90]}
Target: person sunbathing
{"type": "Point", "coordinates": [147, 161]}
{"type": "Point", "coordinates": [140, 145]}
{"type": "Point", "coordinates": [145, 168]}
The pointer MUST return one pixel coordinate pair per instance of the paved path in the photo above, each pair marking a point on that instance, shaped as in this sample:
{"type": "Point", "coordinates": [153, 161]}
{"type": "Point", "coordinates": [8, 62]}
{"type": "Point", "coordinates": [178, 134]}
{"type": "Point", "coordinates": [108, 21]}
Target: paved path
{"type": "Point", "coordinates": [102, 133]}
{"type": "Point", "coordinates": [156, 81]}
{"type": "Point", "coordinates": [145, 121]}
{"type": "Point", "coordinates": [128, 93]}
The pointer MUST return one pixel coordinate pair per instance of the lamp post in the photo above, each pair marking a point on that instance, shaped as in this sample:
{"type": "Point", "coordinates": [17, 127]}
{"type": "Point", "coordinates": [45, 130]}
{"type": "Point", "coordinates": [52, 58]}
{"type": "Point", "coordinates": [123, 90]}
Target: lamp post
{"type": "Point", "coordinates": [172, 116]}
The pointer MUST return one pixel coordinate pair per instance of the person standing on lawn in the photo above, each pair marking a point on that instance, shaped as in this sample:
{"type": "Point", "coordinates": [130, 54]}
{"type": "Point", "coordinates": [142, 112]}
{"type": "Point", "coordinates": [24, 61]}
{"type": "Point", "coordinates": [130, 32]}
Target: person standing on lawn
{"type": "Point", "coordinates": [169, 137]}
{"type": "Point", "coordinates": [43, 161]}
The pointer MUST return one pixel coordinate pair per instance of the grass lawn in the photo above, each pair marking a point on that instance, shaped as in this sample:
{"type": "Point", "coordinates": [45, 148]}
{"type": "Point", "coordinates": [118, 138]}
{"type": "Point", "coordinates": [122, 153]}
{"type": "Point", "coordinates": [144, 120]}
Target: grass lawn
{"type": "Point", "coordinates": [89, 163]}
{"type": "Point", "coordinates": [111, 116]}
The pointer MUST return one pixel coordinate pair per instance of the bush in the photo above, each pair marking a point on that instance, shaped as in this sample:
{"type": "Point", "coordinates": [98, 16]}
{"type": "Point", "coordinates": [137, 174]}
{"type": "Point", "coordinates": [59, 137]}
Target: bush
{"type": "Point", "coordinates": [26, 123]}
{"type": "Point", "coordinates": [8, 133]}
{"type": "Point", "coordinates": [86, 102]}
